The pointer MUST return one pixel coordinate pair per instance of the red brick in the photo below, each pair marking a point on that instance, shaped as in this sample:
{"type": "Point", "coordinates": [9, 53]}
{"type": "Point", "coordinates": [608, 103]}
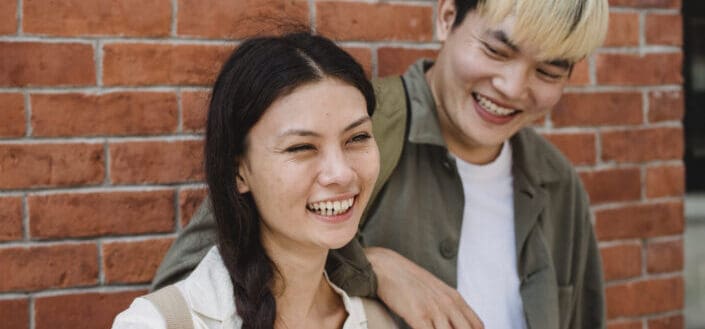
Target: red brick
{"type": "Point", "coordinates": [580, 75]}
{"type": "Point", "coordinates": [665, 181]}
{"type": "Point", "coordinates": [593, 109]}
{"type": "Point", "coordinates": [12, 114]}
{"type": "Point", "coordinates": [640, 221]}
{"type": "Point", "coordinates": [8, 17]}
{"type": "Point", "coordinates": [646, 3]}
{"type": "Point", "coordinates": [612, 185]}
{"type": "Point", "coordinates": [156, 162]}
{"type": "Point", "coordinates": [50, 165]}
{"type": "Point", "coordinates": [97, 17]}
{"type": "Point", "coordinates": [643, 144]}
{"type": "Point", "coordinates": [664, 29]}
{"type": "Point", "coordinates": [237, 19]}
{"type": "Point", "coordinates": [120, 113]}
{"type": "Point", "coordinates": [194, 110]}
{"type": "Point", "coordinates": [46, 64]}
{"type": "Point", "coordinates": [666, 106]}
{"type": "Point", "coordinates": [363, 56]}
{"type": "Point", "coordinates": [621, 261]}
{"type": "Point", "coordinates": [189, 201]}
{"type": "Point", "coordinates": [42, 267]}
{"type": "Point", "coordinates": [134, 261]}
{"type": "Point", "coordinates": [82, 311]}
{"type": "Point", "coordinates": [162, 64]}
{"type": "Point", "coordinates": [14, 313]}
{"type": "Point", "coordinates": [10, 219]}
{"type": "Point", "coordinates": [374, 21]}
{"type": "Point", "coordinates": [669, 322]}
{"type": "Point", "coordinates": [395, 61]}
{"type": "Point", "coordinates": [649, 69]}
{"type": "Point", "coordinates": [664, 256]}
{"type": "Point", "coordinates": [624, 325]}
{"type": "Point", "coordinates": [579, 147]}
{"type": "Point", "coordinates": [644, 297]}
{"type": "Point", "coordinates": [95, 214]}
{"type": "Point", "coordinates": [623, 30]}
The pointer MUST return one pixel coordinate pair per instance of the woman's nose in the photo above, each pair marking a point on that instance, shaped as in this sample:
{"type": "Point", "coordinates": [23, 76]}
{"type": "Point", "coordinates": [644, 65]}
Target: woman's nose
{"type": "Point", "coordinates": [336, 169]}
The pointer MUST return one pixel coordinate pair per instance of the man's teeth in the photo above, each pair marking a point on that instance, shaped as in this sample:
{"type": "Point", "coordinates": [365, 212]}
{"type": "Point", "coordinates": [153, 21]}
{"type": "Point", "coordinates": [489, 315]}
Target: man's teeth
{"type": "Point", "coordinates": [331, 208]}
{"type": "Point", "coordinates": [492, 107]}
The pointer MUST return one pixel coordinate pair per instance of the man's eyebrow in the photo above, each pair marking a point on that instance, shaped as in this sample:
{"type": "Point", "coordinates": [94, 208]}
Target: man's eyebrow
{"type": "Point", "coordinates": [503, 38]}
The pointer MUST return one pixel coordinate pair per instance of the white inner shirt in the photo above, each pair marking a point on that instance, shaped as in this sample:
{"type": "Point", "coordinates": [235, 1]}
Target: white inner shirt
{"type": "Point", "coordinates": [487, 263]}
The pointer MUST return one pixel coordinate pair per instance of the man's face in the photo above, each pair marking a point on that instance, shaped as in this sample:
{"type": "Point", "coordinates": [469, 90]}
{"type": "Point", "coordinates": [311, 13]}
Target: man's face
{"type": "Point", "coordinates": [487, 86]}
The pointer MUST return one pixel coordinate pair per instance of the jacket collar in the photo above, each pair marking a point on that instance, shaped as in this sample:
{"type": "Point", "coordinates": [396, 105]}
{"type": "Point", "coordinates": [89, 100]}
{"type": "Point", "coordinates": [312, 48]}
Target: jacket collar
{"type": "Point", "coordinates": [424, 127]}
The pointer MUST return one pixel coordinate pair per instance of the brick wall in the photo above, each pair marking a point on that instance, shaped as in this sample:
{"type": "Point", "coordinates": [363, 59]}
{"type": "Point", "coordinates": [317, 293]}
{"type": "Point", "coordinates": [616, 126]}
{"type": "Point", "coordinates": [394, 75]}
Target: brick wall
{"type": "Point", "coordinates": [101, 115]}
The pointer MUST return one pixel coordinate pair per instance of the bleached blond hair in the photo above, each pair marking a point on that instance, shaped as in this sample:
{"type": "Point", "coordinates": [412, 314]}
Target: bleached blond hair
{"type": "Point", "coordinates": [559, 29]}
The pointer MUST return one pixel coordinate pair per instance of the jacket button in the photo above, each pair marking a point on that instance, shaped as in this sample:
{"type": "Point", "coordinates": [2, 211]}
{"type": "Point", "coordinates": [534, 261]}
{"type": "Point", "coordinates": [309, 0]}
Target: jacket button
{"type": "Point", "coordinates": [448, 249]}
{"type": "Point", "coordinates": [447, 164]}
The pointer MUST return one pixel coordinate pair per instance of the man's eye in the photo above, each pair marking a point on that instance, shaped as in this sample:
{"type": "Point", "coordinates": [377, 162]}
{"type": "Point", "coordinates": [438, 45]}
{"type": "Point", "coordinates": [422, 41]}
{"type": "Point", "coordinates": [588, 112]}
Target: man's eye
{"type": "Point", "coordinates": [550, 75]}
{"type": "Point", "coordinates": [493, 51]}
{"type": "Point", "coordinates": [299, 148]}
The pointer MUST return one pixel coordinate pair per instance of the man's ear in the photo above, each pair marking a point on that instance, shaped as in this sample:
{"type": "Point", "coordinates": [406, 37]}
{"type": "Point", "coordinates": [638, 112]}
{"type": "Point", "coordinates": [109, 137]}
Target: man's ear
{"type": "Point", "coordinates": [240, 179]}
{"type": "Point", "coordinates": [445, 19]}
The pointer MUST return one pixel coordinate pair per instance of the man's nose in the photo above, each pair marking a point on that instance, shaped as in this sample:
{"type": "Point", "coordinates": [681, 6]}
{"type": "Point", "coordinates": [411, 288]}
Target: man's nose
{"type": "Point", "coordinates": [513, 82]}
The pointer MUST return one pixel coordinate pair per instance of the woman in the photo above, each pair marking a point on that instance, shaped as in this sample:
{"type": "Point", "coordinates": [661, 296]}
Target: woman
{"type": "Point", "coordinates": [290, 164]}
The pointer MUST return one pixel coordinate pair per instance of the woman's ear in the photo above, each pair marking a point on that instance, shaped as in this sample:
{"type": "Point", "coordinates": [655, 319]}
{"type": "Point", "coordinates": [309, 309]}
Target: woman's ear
{"type": "Point", "coordinates": [241, 181]}
{"type": "Point", "coordinates": [445, 18]}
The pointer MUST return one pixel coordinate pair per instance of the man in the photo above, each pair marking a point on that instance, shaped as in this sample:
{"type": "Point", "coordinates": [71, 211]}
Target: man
{"type": "Point", "coordinates": [479, 209]}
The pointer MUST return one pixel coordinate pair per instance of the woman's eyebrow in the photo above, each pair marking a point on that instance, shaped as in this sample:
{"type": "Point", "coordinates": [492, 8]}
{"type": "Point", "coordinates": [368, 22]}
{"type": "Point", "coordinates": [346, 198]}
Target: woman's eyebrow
{"type": "Point", "coordinates": [310, 133]}
{"type": "Point", "coordinates": [357, 123]}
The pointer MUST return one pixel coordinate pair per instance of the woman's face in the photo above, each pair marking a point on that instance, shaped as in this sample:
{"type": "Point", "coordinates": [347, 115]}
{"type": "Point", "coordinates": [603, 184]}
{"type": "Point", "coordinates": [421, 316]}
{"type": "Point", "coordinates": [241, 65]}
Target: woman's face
{"type": "Point", "coordinates": [311, 164]}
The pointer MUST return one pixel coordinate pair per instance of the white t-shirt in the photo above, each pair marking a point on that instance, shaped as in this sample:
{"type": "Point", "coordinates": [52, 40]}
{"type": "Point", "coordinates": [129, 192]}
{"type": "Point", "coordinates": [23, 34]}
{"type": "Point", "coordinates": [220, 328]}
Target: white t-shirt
{"type": "Point", "coordinates": [487, 262]}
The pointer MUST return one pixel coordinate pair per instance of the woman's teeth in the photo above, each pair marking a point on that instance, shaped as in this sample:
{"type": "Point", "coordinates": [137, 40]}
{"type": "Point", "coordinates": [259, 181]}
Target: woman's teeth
{"type": "Point", "coordinates": [492, 107]}
{"type": "Point", "coordinates": [331, 208]}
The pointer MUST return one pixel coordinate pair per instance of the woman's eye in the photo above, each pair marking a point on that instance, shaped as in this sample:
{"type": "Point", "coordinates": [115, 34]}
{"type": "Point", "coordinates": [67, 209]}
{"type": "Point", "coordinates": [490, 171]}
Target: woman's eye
{"type": "Point", "coordinates": [359, 138]}
{"type": "Point", "coordinates": [299, 148]}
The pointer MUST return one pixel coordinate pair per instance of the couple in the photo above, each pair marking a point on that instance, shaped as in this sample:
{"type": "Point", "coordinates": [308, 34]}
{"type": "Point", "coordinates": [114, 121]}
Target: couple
{"type": "Point", "coordinates": [470, 206]}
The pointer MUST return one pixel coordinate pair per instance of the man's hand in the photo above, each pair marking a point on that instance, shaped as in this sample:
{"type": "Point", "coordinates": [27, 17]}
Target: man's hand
{"type": "Point", "coordinates": [421, 299]}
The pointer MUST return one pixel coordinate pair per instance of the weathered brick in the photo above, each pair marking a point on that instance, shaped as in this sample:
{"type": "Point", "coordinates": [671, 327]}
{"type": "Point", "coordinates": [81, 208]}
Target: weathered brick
{"type": "Point", "coordinates": [238, 19]}
{"type": "Point", "coordinates": [120, 113]}
{"type": "Point", "coordinates": [395, 61]}
{"type": "Point", "coordinates": [8, 17]}
{"type": "Point", "coordinates": [97, 17]}
{"type": "Point", "coordinates": [12, 114]}
{"type": "Point", "coordinates": [646, 3]}
{"type": "Point", "coordinates": [14, 313]}
{"type": "Point", "coordinates": [640, 221]}
{"type": "Point", "coordinates": [666, 106]}
{"type": "Point", "coordinates": [41, 267]}
{"type": "Point", "coordinates": [591, 109]}
{"type": "Point", "coordinates": [649, 69]}
{"type": "Point", "coordinates": [664, 256]}
{"type": "Point", "coordinates": [83, 310]}
{"type": "Point", "coordinates": [363, 56]}
{"type": "Point", "coordinates": [194, 110]}
{"type": "Point", "coordinates": [644, 297]}
{"type": "Point", "coordinates": [189, 201]}
{"type": "Point", "coordinates": [46, 64]}
{"type": "Point", "coordinates": [622, 324]}
{"type": "Point", "coordinates": [580, 75]}
{"type": "Point", "coordinates": [95, 214]}
{"type": "Point", "coordinates": [374, 21]}
{"type": "Point", "coordinates": [162, 64]}
{"type": "Point", "coordinates": [156, 162]}
{"type": "Point", "coordinates": [664, 29]}
{"type": "Point", "coordinates": [46, 165]}
{"type": "Point", "coordinates": [623, 30]}
{"type": "Point", "coordinates": [10, 218]}
{"type": "Point", "coordinates": [644, 144]}
{"type": "Point", "coordinates": [612, 185]}
{"type": "Point", "coordinates": [579, 148]}
{"type": "Point", "coordinates": [133, 261]}
{"type": "Point", "coordinates": [668, 322]}
{"type": "Point", "coordinates": [665, 181]}
{"type": "Point", "coordinates": [621, 261]}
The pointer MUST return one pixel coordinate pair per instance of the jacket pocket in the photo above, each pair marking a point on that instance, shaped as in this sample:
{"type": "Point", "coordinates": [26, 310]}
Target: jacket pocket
{"type": "Point", "coordinates": [565, 305]}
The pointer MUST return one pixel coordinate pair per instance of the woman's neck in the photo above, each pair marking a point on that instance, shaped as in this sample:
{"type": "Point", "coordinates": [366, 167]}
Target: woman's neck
{"type": "Point", "coordinates": [302, 293]}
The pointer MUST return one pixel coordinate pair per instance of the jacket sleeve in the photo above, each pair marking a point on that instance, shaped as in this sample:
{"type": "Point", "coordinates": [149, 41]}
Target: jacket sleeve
{"type": "Point", "coordinates": [350, 270]}
{"type": "Point", "coordinates": [190, 247]}
{"type": "Point", "coordinates": [589, 311]}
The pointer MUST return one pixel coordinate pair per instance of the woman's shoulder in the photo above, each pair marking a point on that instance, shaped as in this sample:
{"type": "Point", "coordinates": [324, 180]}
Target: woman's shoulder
{"type": "Point", "coordinates": [141, 314]}
{"type": "Point", "coordinates": [376, 314]}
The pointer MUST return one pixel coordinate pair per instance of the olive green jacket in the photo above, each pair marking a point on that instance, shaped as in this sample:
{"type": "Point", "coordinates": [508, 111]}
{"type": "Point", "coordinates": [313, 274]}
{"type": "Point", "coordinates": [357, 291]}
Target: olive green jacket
{"type": "Point", "coordinates": [418, 213]}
